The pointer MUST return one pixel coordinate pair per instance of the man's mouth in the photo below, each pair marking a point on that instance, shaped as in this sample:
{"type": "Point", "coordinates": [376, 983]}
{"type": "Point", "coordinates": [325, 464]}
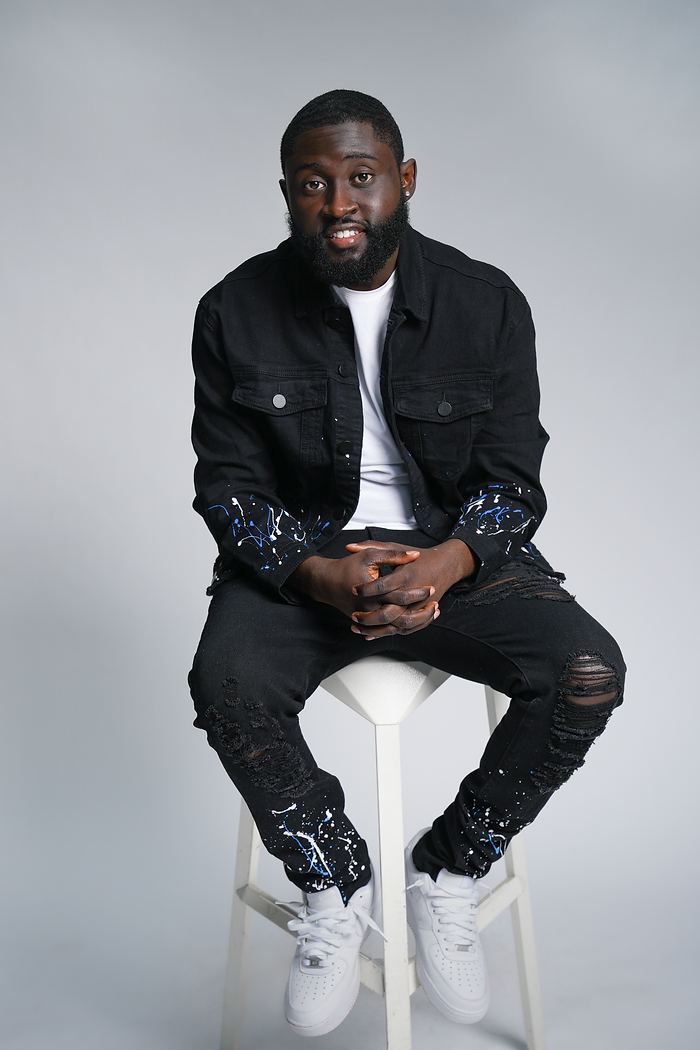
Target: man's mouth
{"type": "Point", "coordinates": [344, 236]}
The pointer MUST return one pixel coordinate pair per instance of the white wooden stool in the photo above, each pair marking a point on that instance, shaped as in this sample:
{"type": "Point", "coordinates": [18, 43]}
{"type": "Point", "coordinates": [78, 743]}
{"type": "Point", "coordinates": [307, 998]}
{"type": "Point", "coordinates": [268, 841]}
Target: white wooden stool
{"type": "Point", "coordinates": [384, 690]}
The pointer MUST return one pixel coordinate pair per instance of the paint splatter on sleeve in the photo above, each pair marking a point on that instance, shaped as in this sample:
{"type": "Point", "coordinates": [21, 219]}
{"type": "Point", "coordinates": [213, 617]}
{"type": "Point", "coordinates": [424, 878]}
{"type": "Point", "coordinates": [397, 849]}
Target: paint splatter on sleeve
{"type": "Point", "coordinates": [497, 522]}
{"type": "Point", "coordinates": [265, 537]}
{"type": "Point", "coordinates": [493, 512]}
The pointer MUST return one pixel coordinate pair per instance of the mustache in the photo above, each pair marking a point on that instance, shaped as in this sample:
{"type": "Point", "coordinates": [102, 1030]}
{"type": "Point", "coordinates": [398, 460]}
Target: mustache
{"type": "Point", "coordinates": [347, 221]}
{"type": "Point", "coordinates": [370, 230]}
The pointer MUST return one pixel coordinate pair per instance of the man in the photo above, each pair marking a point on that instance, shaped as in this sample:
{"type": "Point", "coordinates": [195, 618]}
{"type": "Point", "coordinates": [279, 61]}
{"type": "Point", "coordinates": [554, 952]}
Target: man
{"type": "Point", "coordinates": [368, 462]}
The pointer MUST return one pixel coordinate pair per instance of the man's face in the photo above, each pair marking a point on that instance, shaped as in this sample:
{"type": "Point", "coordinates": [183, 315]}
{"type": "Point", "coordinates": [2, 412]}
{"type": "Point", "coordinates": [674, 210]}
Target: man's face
{"type": "Point", "coordinates": [347, 201]}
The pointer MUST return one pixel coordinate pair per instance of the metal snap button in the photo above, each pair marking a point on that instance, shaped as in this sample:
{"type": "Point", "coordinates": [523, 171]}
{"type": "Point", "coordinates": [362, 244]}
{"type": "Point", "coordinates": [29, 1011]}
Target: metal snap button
{"type": "Point", "coordinates": [279, 401]}
{"type": "Point", "coordinates": [345, 448]}
{"type": "Point", "coordinates": [444, 408]}
{"type": "Point", "coordinates": [343, 370]}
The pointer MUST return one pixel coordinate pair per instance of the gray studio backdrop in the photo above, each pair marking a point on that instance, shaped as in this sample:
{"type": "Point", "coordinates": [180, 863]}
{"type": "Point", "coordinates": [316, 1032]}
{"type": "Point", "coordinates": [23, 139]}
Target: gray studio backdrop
{"type": "Point", "coordinates": [557, 140]}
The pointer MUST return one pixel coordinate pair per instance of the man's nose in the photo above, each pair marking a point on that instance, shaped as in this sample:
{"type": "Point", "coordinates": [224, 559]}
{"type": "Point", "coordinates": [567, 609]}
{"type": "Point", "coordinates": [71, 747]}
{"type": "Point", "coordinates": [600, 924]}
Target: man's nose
{"type": "Point", "coordinates": [339, 201]}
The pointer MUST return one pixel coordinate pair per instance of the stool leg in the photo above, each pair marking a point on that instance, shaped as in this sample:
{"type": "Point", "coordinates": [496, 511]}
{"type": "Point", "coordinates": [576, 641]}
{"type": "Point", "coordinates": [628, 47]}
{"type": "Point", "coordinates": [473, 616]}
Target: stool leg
{"type": "Point", "coordinates": [521, 913]}
{"type": "Point", "coordinates": [524, 937]}
{"type": "Point", "coordinates": [393, 882]}
{"type": "Point", "coordinates": [247, 856]}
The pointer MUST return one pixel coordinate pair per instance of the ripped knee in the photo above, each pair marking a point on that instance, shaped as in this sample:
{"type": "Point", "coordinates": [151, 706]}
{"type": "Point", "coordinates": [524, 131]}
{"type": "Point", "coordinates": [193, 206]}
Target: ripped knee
{"type": "Point", "coordinates": [589, 680]}
{"type": "Point", "coordinates": [519, 580]}
{"type": "Point", "coordinates": [273, 765]}
{"type": "Point", "coordinates": [589, 691]}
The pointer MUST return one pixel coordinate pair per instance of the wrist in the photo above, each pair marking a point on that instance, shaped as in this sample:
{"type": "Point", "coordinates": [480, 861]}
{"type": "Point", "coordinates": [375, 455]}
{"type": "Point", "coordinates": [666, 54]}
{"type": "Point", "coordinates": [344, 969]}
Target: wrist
{"type": "Point", "coordinates": [463, 561]}
{"type": "Point", "coordinates": [306, 576]}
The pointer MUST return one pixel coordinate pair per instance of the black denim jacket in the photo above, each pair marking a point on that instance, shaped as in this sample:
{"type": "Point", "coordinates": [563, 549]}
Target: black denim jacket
{"type": "Point", "coordinates": [278, 415]}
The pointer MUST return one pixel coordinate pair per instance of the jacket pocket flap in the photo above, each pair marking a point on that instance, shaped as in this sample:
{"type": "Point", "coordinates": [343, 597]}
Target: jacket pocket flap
{"type": "Point", "coordinates": [280, 397]}
{"type": "Point", "coordinates": [444, 400]}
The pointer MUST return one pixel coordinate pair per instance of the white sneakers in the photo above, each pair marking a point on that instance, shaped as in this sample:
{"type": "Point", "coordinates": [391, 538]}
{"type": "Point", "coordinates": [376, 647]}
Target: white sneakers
{"type": "Point", "coordinates": [325, 976]}
{"type": "Point", "coordinates": [449, 957]}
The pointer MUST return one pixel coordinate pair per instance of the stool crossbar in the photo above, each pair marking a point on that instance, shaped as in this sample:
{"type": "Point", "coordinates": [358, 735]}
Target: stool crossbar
{"type": "Point", "coordinates": [385, 690]}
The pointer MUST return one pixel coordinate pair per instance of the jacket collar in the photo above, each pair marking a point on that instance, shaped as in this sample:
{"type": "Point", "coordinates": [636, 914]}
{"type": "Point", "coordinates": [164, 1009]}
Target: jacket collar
{"type": "Point", "coordinates": [311, 295]}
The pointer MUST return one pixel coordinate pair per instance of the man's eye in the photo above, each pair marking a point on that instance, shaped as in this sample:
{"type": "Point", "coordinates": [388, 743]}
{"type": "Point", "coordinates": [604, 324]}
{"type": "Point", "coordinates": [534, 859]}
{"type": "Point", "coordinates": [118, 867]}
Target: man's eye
{"type": "Point", "coordinates": [364, 177]}
{"type": "Point", "coordinates": [313, 184]}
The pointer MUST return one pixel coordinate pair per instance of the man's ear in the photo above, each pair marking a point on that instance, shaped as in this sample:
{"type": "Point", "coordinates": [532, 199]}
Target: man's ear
{"type": "Point", "coordinates": [409, 174]}
{"type": "Point", "coordinates": [283, 187]}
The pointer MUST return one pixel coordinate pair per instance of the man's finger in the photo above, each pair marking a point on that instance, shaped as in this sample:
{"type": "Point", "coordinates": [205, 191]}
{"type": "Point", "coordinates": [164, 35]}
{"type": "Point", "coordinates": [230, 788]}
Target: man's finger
{"type": "Point", "coordinates": [397, 596]}
{"type": "Point", "coordinates": [387, 584]}
{"type": "Point", "coordinates": [412, 619]}
{"type": "Point", "coordinates": [388, 554]}
{"type": "Point", "coordinates": [406, 623]}
{"type": "Point", "coordinates": [364, 545]}
{"type": "Point", "coordinates": [396, 614]}
{"type": "Point", "coordinates": [384, 614]}
{"type": "Point", "coordinates": [374, 560]}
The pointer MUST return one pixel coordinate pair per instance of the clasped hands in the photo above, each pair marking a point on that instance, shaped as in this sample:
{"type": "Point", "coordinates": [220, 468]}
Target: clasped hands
{"type": "Point", "coordinates": [403, 601]}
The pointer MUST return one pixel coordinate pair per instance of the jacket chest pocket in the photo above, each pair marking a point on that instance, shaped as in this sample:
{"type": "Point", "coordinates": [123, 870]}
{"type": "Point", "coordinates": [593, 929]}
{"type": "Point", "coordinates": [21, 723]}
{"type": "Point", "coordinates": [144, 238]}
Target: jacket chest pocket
{"type": "Point", "coordinates": [439, 418]}
{"type": "Point", "coordinates": [289, 410]}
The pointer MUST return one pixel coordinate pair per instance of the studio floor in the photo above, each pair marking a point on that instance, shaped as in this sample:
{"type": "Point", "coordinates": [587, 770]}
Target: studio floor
{"type": "Point", "coordinates": [145, 984]}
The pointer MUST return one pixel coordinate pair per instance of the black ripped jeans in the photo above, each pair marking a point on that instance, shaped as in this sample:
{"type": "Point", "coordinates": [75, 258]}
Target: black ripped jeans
{"type": "Point", "coordinates": [260, 658]}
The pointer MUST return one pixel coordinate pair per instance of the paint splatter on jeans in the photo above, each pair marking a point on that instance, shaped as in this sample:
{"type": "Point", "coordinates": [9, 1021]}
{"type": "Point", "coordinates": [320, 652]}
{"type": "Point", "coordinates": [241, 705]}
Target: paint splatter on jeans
{"type": "Point", "coordinates": [260, 658]}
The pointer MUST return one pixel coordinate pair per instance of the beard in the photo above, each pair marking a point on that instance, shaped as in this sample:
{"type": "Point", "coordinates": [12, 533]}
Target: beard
{"type": "Point", "coordinates": [382, 241]}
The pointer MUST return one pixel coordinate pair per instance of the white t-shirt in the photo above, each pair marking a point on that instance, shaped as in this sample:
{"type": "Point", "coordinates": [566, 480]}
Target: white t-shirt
{"type": "Point", "coordinates": [385, 494]}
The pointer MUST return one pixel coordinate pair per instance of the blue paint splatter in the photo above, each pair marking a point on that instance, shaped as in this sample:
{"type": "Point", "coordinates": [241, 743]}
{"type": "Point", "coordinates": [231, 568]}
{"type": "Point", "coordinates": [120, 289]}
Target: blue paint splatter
{"type": "Point", "coordinates": [323, 847]}
{"type": "Point", "coordinates": [491, 516]}
{"type": "Point", "coordinates": [273, 524]}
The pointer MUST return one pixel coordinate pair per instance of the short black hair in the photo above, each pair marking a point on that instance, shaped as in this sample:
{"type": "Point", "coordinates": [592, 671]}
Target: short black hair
{"type": "Point", "coordinates": [340, 107]}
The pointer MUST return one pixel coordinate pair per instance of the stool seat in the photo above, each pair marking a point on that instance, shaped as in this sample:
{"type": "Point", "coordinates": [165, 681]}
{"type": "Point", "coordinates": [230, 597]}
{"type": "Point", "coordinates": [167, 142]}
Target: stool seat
{"type": "Point", "coordinates": [384, 689]}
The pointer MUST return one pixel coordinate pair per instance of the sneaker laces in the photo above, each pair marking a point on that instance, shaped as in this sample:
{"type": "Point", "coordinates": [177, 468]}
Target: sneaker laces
{"type": "Point", "coordinates": [320, 933]}
{"type": "Point", "coordinates": [456, 909]}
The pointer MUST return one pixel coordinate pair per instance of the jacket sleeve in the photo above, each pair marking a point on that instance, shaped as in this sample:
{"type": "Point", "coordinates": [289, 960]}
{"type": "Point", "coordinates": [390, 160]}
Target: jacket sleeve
{"type": "Point", "coordinates": [503, 498]}
{"type": "Point", "coordinates": [235, 478]}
